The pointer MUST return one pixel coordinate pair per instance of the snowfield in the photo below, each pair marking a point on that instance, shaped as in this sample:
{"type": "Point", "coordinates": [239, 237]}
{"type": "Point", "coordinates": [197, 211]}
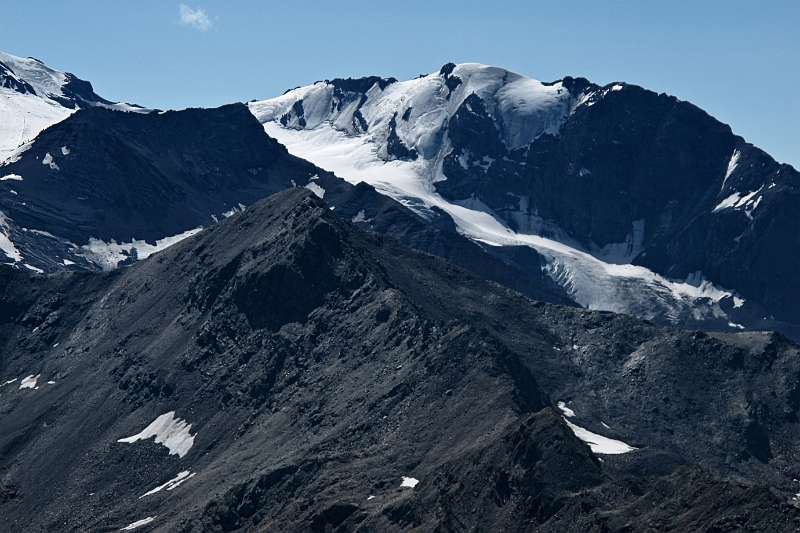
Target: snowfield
{"type": "Point", "coordinates": [23, 117]}
{"type": "Point", "coordinates": [592, 282]}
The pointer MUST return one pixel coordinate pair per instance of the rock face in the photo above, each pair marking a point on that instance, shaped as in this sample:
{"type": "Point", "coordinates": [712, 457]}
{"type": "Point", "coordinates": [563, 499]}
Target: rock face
{"type": "Point", "coordinates": [127, 177]}
{"type": "Point", "coordinates": [623, 191]}
{"type": "Point", "coordinates": [284, 369]}
{"type": "Point", "coordinates": [641, 177]}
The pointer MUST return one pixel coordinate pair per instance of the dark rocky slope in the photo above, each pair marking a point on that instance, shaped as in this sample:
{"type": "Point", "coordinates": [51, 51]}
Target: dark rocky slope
{"type": "Point", "coordinates": [318, 365]}
{"type": "Point", "coordinates": [128, 176]}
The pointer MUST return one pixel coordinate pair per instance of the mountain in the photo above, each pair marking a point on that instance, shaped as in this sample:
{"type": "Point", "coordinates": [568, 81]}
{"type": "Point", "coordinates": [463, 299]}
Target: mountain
{"type": "Point", "coordinates": [286, 370]}
{"type": "Point", "coordinates": [637, 202]}
{"type": "Point", "coordinates": [611, 198]}
{"type": "Point", "coordinates": [103, 188]}
{"type": "Point", "coordinates": [34, 96]}
{"type": "Point", "coordinates": [103, 185]}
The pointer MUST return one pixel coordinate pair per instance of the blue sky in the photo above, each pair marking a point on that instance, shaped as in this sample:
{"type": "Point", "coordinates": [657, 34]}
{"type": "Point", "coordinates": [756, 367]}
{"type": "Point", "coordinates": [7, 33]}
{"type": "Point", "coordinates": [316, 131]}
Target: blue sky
{"type": "Point", "coordinates": [739, 60]}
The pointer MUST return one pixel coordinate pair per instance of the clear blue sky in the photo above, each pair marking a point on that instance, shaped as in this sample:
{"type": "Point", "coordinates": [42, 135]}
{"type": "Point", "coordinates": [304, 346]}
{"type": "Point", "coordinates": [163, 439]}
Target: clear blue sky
{"type": "Point", "coordinates": [739, 60]}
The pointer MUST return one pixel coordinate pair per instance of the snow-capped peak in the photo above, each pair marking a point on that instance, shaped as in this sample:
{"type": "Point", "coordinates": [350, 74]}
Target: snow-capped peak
{"type": "Point", "coordinates": [34, 96]}
{"type": "Point", "coordinates": [402, 137]}
{"type": "Point", "coordinates": [406, 119]}
{"type": "Point", "coordinates": [32, 74]}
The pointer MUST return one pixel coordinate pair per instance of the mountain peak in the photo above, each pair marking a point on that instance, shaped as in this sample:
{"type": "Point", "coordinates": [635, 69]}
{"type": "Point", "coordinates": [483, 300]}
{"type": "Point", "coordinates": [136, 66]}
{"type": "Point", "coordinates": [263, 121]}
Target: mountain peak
{"type": "Point", "coordinates": [37, 96]}
{"type": "Point", "coordinates": [34, 76]}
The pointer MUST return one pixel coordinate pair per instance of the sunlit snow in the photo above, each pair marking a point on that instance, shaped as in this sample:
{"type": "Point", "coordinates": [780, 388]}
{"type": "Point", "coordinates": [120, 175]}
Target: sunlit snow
{"type": "Point", "coordinates": [409, 482]}
{"type": "Point", "coordinates": [108, 255]}
{"type": "Point", "coordinates": [600, 279]}
{"type": "Point", "coordinates": [138, 523]}
{"type": "Point", "coordinates": [598, 443]}
{"type": "Point", "coordinates": [566, 410]}
{"type": "Point", "coordinates": [49, 161]}
{"type": "Point", "coordinates": [172, 483]}
{"type": "Point", "coordinates": [749, 202]}
{"type": "Point", "coordinates": [6, 245]}
{"type": "Point", "coordinates": [592, 282]}
{"type": "Point", "coordinates": [29, 382]}
{"type": "Point", "coordinates": [732, 164]}
{"type": "Point", "coordinates": [22, 117]}
{"type": "Point", "coordinates": [173, 433]}
{"type": "Point", "coordinates": [316, 189]}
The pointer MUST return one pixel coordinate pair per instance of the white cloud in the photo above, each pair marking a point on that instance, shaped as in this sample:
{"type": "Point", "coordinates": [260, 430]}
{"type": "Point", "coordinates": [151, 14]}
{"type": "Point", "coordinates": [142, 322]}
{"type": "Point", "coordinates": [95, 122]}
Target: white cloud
{"type": "Point", "coordinates": [195, 18]}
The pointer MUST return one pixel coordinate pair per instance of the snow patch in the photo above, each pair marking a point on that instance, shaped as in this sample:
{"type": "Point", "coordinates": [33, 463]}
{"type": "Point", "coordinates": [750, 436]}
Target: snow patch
{"type": "Point", "coordinates": [732, 164]}
{"type": "Point", "coordinates": [409, 482]}
{"type": "Point", "coordinates": [173, 433]}
{"type": "Point", "coordinates": [599, 444]}
{"type": "Point", "coordinates": [6, 245]}
{"type": "Point", "coordinates": [749, 202]}
{"type": "Point", "coordinates": [172, 483]}
{"type": "Point", "coordinates": [139, 523]}
{"type": "Point", "coordinates": [316, 189]}
{"type": "Point", "coordinates": [11, 177]}
{"type": "Point", "coordinates": [33, 268]}
{"type": "Point", "coordinates": [566, 410]}
{"type": "Point", "coordinates": [50, 162]}
{"type": "Point", "coordinates": [108, 255]}
{"type": "Point", "coordinates": [29, 382]}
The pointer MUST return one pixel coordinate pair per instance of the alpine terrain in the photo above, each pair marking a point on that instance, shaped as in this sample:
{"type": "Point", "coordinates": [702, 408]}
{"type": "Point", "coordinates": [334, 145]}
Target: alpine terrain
{"type": "Point", "coordinates": [637, 202]}
{"type": "Point", "coordinates": [471, 301]}
{"type": "Point", "coordinates": [285, 370]}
